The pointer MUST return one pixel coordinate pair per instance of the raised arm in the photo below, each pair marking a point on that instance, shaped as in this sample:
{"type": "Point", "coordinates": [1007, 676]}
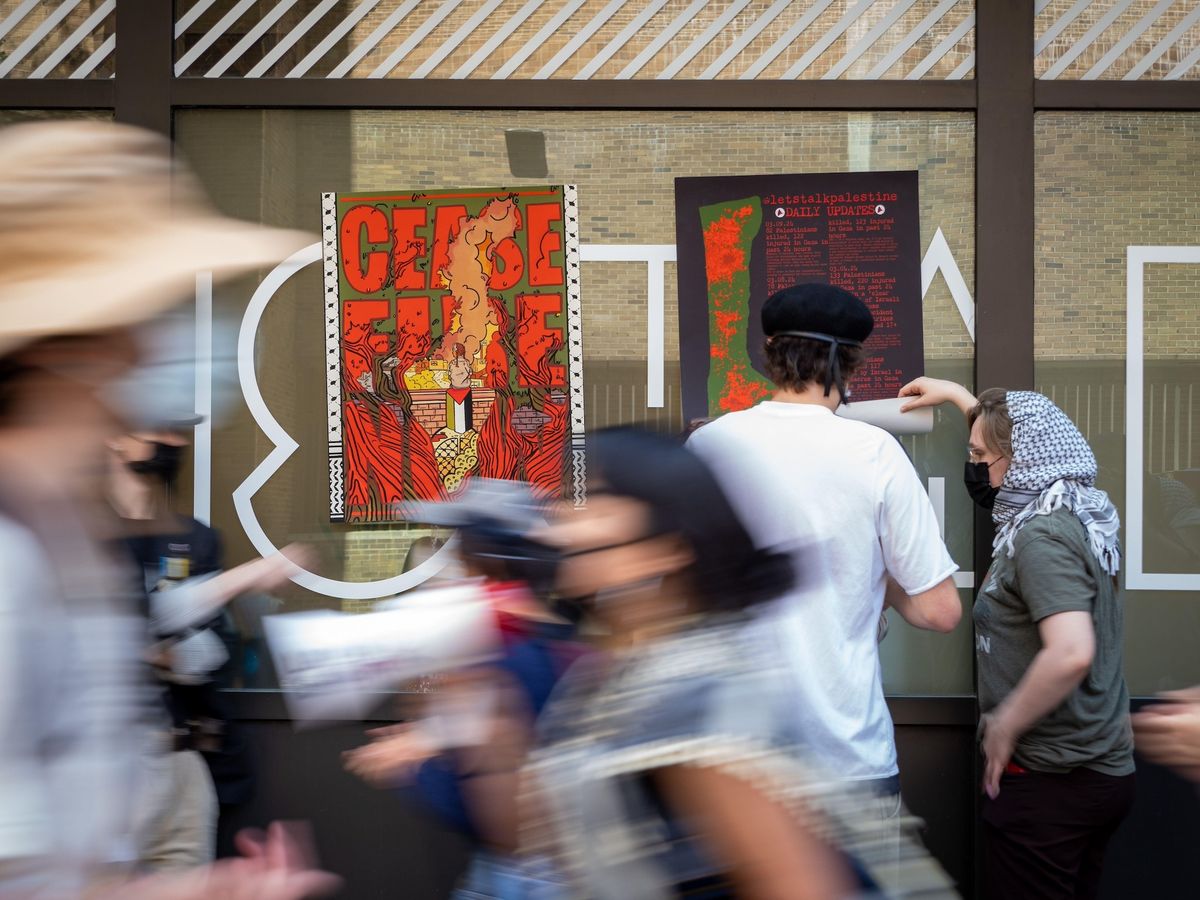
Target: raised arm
{"type": "Point", "coordinates": [174, 609]}
{"type": "Point", "coordinates": [935, 392]}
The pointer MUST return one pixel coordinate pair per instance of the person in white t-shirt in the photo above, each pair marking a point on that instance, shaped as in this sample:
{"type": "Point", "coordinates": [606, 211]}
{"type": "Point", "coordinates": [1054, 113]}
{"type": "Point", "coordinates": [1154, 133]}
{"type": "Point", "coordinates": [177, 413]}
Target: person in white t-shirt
{"type": "Point", "coordinates": [844, 499]}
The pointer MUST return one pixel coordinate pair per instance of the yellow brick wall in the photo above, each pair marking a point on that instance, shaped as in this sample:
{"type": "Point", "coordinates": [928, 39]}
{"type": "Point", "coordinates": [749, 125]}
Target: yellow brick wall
{"type": "Point", "coordinates": [272, 166]}
{"type": "Point", "coordinates": [625, 164]}
{"type": "Point", "coordinates": [1105, 181]}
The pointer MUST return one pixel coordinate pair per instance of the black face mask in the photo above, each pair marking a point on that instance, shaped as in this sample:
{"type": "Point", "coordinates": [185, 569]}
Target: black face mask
{"type": "Point", "coordinates": [512, 555]}
{"type": "Point", "coordinates": [164, 463]}
{"type": "Point", "coordinates": [979, 485]}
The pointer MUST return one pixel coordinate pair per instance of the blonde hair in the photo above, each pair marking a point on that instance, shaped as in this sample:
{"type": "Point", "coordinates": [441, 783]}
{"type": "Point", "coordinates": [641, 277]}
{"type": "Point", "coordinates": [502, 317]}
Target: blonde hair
{"type": "Point", "coordinates": [992, 408]}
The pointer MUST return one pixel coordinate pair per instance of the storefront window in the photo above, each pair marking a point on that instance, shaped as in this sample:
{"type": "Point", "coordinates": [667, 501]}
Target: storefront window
{"type": "Point", "coordinates": [1118, 249]}
{"type": "Point", "coordinates": [272, 166]}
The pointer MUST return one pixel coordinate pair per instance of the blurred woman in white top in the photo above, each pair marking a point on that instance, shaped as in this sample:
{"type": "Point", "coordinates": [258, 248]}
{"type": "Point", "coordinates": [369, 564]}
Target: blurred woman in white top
{"type": "Point", "coordinates": [99, 233]}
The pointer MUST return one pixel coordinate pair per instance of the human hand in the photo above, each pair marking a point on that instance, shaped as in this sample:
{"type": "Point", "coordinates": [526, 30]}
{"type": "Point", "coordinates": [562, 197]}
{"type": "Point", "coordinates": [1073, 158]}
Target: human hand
{"type": "Point", "coordinates": [1182, 695]}
{"type": "Point", "coordinates": [926, 391]}
{"type": "Point", "coordinates": [392, 757]}
{"type": "Point", "coordinates": [1169, 734]}
{"type": "Point", "coordinates": [997, 746]}
{"type": "Point", "coordinates": [278, 865]}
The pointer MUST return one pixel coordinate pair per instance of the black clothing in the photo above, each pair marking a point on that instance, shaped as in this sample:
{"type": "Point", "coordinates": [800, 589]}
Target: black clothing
{"type": "Point", "coordinates": [200, 712]}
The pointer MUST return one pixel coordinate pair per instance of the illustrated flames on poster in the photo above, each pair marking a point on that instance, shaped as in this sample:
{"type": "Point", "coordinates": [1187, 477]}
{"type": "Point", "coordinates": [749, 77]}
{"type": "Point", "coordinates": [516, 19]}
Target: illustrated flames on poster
{"type": "Point", "coordinates": [453, 345]}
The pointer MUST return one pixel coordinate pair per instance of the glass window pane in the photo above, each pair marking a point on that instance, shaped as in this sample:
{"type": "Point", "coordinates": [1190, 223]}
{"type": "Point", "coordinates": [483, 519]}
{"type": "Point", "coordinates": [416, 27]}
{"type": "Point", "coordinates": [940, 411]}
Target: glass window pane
{"type": "Point", "coordinates": [1107, 182]}
{"type": "Point", "coordinates": [1133, 40]}
{"type": "Point", "coordinates": [594, 39]}
{"type": "Point", "coordinates": [273, 165]}
{"type": "Point", "coordinates": [58, 40]}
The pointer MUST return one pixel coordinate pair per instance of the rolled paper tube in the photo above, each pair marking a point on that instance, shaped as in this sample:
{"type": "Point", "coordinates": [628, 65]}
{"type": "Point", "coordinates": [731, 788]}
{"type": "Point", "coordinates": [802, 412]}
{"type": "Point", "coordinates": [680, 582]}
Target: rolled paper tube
{"type": "Point", "coordinates": [886, 414]}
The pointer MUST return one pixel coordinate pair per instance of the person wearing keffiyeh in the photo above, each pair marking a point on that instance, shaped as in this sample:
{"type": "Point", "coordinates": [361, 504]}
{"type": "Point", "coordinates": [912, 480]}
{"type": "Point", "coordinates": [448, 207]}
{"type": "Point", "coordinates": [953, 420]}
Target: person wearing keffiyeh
{"type": "Point", "coordinates": [1055, 468]}
{"type": "Point", "coordinates": [1055, 729]}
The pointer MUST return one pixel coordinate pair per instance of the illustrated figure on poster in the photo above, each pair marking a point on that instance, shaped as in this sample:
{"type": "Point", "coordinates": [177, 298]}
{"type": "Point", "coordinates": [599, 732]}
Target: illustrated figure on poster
{"type": "Point", "coordinates": [458, 397]}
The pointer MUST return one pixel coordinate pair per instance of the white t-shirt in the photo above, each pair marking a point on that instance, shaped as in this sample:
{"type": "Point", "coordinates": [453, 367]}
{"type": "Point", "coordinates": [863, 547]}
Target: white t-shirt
{"type": "Point", "coordinates": [70, 729]}
{"type": "Point", "coordinates": [844, 500]}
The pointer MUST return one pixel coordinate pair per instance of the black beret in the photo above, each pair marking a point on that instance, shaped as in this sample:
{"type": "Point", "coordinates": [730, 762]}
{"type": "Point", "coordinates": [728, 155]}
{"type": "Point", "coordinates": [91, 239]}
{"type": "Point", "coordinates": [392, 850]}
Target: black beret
{"type": "Point", "coordinates": [819, 308]}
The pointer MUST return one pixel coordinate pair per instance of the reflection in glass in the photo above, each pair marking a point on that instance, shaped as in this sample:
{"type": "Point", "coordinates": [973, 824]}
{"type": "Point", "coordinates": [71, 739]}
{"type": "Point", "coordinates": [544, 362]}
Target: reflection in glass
{"type": "Point", "coordinates": [272, 165]}
{"type": "Point", "coordinates": [1106, 182]}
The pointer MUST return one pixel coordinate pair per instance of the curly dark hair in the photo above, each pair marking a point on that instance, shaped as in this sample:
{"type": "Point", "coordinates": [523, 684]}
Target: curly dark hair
{"type": "Point", "coordinates": [795, 362]}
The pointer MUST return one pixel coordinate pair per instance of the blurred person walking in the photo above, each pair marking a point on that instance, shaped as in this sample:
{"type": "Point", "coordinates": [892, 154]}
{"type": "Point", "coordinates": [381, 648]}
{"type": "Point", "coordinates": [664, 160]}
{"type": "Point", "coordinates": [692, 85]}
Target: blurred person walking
{"type": "Point", "coordinates": [1055, 730]}
{"type": "Point", "coordinates": [461, 751]}
{"type": "Point", "coordinates": [664, 767]}
{"type": "Point", "coordinates": [208, 767]}
{"type": "Point", "coordinates": [845, 501]}
{"type": "Point", "coordinates": [1168, 733]}
{"type": "Point", "coordinates": [99, 233]}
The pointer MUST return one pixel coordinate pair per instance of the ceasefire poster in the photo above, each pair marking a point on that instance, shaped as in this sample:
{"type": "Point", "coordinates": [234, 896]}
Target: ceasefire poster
{"type": "Point", "coordinates": [741, 238]}
{"type": "Point", "coordinates": [453, 345]}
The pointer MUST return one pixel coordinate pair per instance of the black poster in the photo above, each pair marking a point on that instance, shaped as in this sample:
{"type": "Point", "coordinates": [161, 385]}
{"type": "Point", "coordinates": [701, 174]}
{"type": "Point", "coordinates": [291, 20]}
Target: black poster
{"type": "Point", "coordinates": [741, 238]}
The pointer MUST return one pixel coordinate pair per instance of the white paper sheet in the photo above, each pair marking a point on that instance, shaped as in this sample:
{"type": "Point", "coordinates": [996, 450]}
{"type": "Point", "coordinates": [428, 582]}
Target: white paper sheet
{"type": "Point", "coordinates": [886, 415]}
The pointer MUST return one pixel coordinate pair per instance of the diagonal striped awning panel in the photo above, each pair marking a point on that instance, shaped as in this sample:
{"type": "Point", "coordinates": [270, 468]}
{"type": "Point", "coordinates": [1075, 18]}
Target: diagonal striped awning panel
{"type": "Point", "coordinates": [1117, 39]}
{"type": "Point", "coordinates": [576, 39]}
{"type": "Point", "coordinates": [57, 38]}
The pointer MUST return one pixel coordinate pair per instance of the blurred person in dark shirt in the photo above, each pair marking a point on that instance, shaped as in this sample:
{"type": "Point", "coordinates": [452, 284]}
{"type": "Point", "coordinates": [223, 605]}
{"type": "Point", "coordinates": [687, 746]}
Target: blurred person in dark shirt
{"type": "Point", "coordinates": [192, 634]}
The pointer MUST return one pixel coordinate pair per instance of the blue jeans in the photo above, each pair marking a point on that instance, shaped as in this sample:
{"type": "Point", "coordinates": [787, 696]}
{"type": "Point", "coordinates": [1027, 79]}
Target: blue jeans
{"type": "Point", "coordinates": [495, 877]}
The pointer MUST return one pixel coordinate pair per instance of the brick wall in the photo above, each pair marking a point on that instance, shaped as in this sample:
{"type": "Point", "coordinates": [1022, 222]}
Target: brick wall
{"type": "Point", "coordinates": [625, 164]}
{"type": "Point", "coordinates": [379, 552]}
{"type": "Point", "coordinates": [430, 408]}
{"type": "Point", "coordinates": [1105, 181]}
{"type": "Point", "coordinates": [273, 166]}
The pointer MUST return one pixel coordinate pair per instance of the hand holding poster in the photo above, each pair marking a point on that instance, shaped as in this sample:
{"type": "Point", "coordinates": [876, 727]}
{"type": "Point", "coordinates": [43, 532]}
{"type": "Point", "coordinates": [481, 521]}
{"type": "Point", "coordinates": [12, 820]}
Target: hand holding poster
{"type": "Point", "coordinates": [334, 665]}
{"type": "Point", "coordinates": [453, 345]}
{"type": "Point", "coordinates": [742, 238]}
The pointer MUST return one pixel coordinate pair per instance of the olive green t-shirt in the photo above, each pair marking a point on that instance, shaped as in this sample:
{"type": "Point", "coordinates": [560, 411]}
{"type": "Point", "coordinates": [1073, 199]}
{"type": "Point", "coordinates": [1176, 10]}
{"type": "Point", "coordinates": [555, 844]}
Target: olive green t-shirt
{"type": "Point", "coordinates": [1052, 570]}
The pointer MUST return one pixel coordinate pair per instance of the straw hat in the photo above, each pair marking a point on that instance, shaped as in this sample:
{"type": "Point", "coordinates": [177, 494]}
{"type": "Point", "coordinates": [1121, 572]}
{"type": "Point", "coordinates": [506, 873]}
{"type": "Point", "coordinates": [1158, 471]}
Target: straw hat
{"type": "Point", "coordinates": [100, 228]}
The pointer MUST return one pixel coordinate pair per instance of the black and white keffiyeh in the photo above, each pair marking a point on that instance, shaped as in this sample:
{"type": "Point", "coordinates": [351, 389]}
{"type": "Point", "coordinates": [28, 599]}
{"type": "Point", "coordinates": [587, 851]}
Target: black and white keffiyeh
{"type": "Point", "coordinates": [1052, 466]}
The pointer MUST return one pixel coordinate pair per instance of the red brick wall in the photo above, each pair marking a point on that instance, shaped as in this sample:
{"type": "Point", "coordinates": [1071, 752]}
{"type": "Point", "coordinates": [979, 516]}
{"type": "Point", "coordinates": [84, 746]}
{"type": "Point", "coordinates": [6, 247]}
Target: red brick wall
{"type": "Point", "coordinates": [430, 408]}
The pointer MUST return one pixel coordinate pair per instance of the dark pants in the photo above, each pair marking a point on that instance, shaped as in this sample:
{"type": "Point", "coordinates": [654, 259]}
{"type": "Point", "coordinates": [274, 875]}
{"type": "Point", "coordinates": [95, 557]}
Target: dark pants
{"type": "Point", "coordinates": [1045, 835]}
